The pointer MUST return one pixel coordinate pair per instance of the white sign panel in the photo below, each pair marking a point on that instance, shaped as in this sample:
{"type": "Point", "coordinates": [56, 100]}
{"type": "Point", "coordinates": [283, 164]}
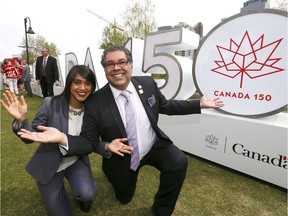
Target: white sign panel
{"type": "Point", "coordinates": [244, 62]}
{"type": "Point", "coordinates": [257, 147]}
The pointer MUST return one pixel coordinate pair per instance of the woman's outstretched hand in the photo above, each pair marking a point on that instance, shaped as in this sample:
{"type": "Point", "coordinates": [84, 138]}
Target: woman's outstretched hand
{"type": "Point", "coordinates": [16, 108]}
{"type": "Point", "coordinates": [46, 135]}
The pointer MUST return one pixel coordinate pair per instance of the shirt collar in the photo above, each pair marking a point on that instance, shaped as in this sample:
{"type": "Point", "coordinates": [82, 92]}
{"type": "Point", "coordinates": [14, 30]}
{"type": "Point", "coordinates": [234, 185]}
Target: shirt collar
{"type": "Point", "coordinates": [117, 92]}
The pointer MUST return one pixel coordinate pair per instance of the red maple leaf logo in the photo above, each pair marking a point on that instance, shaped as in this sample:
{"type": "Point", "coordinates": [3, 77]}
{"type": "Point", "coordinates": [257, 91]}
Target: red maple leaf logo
{"type": "Point", "coordinates": [253, 59]}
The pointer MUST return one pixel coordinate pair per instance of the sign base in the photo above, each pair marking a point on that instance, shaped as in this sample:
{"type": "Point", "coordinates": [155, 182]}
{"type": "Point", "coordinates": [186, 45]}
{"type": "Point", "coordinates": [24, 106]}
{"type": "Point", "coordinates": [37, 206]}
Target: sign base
{"type": "Point", "coordinates": [257, 147]}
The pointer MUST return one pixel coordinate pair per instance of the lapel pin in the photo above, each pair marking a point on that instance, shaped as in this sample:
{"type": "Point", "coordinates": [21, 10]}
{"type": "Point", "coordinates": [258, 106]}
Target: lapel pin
{"type": "Point", "coordinates": [140, 89]}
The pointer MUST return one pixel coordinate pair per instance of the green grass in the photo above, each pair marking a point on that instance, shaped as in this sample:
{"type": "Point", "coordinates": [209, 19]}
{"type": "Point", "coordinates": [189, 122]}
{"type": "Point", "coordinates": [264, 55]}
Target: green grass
{"type": "Point", "coordinates": [209, 189]}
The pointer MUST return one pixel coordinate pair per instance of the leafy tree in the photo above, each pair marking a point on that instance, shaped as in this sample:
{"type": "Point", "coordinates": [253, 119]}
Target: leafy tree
{"type": "Point", "coordinates": [281, 4]}
{"type": "Point", "coordinates": [138, 21]}
{"type": "Point", "coordinates": [138, 18]}
{"type": "Point", "coordinates": [35, 44]}
{"type": "Point", "coordinates": [112, 36]}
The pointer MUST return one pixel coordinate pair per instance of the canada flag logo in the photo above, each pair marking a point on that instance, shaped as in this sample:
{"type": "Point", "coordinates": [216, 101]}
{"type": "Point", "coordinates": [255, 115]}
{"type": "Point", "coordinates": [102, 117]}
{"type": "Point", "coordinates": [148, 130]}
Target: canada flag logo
{"type": "Point", "coordinates": [249, 58]}
{"type": "Point", "coordinates": [243, 61]}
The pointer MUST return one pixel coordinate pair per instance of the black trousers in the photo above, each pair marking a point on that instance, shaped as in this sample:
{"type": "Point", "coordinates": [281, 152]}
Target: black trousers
{"type": "Point", "coordinates": [47, 88]}
{"type": "Point", "coordinates": [172, 164]}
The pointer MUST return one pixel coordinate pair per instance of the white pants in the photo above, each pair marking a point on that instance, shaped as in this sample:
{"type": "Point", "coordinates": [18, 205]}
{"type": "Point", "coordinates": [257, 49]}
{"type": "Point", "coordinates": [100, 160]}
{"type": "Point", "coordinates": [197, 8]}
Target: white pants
{"type": "Point", "coordinates": [12, 85]}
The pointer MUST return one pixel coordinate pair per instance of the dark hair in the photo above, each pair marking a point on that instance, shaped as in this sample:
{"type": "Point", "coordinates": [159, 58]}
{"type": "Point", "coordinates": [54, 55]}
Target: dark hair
{"type": "Point", "coordinates": [116, 48]}
{"type": "Point", "coordinates": [6, 61]}
{"type": "Point", "coordinates": [63, 99]}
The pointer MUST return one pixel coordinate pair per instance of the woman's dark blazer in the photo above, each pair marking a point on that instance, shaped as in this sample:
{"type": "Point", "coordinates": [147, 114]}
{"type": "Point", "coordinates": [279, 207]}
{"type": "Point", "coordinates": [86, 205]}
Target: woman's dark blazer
{"type": "Point", "coordinates": [47, 158]}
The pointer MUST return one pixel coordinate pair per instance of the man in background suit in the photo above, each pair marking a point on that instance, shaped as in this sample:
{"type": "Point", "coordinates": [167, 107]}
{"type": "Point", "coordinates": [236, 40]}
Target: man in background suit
{"type": "Point", "coordinates": [26, 78]}
{"type": "Point", "coordinates": [47, 72]}
{"type": "Point", "coordinates": [105, 120]}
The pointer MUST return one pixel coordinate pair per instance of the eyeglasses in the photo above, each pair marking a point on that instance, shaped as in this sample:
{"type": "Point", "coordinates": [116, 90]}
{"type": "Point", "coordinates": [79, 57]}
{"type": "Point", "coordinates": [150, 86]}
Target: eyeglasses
{"type": "Point", "coordinates": [121, 63]}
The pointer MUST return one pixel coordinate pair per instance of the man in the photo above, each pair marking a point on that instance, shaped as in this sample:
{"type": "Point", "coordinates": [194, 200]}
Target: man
{"type": "Point", "coordinates": [107, 116]}
{"type": "Point", "coordinates": [19, 69]}
{"type": "Point", "coordinates": [26, 78]}
{"type": "Point", "coordinates": [47, 72]}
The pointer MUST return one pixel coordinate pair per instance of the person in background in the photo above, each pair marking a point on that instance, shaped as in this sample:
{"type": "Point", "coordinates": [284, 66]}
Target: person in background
{"type": "Point", "coordinates": [126, 123]}
{"type": "Point", "coordinates": [26, 78]}
{"type": "Point", "coordinates": [11, 75]}
{"type": "Point", "coordinates": [47, 72]}
{"type": "Point", "coordinates": [48, 166]}
{"type": "Point", "coordinates": [19, 69]}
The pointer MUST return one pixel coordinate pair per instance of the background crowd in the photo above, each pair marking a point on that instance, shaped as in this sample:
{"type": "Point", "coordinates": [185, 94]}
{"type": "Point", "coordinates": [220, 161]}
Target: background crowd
{"type": "Point", "coordinates": [16, 76]}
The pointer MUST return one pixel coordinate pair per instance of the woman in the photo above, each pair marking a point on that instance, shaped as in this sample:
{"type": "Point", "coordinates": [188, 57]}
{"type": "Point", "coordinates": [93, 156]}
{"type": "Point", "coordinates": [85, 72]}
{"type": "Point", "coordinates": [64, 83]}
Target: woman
{"type": "Point", "coordinates": [48, 166]}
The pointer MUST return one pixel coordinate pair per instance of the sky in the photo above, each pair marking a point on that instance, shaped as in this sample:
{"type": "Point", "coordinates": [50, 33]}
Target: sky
{"type": "Point", "coordinates": [70, 26]}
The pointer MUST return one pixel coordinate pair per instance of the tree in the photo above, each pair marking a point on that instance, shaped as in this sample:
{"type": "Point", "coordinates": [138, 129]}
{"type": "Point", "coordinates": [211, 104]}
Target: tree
{"type": "Point", "coordinates": [35, 44]}
{"type": "Point", "coordinates": [138, 18]}
{"type": "Point", "coordinates": [138, 21]}
{"type": "Point", "coordinates": [112, 36]}
{"type": "Point", "coordinates": [281, 5]}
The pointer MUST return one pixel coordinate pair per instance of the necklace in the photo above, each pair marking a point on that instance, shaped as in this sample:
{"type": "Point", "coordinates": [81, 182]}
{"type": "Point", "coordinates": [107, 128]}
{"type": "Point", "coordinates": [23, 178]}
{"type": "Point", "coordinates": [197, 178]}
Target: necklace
{"type": "Point", "coordinates": [76, 111]}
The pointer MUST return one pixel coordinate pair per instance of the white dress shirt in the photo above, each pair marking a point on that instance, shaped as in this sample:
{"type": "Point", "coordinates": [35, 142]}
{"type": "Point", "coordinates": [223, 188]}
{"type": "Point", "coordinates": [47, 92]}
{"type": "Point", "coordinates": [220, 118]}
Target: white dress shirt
{"type": "Point", "coordinates": [74, 128]}
{"type": "Point", "coordinates": [145, 133]}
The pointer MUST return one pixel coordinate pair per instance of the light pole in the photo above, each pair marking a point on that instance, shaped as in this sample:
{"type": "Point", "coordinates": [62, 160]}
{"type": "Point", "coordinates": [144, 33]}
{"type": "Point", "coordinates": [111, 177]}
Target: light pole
{"type": "Point", "coordinates": [30, 31]}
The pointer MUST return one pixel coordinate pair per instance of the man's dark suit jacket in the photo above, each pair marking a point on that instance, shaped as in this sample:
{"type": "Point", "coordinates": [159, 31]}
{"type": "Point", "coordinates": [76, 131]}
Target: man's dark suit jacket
{"type": "Point", "coordinates": [51, 69]}
{"type": "Point", "coordinates": [47, 158]}
{"type": "Point", "coordinates": [102, 120]}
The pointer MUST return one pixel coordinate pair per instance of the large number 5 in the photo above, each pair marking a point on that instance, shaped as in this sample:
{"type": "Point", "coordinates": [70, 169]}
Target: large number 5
{"type": "Point", "coordinates": [159, 55]}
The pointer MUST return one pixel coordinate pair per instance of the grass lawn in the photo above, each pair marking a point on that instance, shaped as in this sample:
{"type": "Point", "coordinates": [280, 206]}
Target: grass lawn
{"type": "Point", "coordinates": [209, 189]}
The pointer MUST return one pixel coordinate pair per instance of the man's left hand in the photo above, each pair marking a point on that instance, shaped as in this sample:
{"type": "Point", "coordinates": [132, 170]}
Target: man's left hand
{"type": "Point", "coordinates": [57, 82]}
{"type": "Point", "coordinates": [210, 103]}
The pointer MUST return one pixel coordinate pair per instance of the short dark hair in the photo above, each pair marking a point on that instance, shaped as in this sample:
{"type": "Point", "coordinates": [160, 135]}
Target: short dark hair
{"type": "Point", "coordinates": [116, 48]}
